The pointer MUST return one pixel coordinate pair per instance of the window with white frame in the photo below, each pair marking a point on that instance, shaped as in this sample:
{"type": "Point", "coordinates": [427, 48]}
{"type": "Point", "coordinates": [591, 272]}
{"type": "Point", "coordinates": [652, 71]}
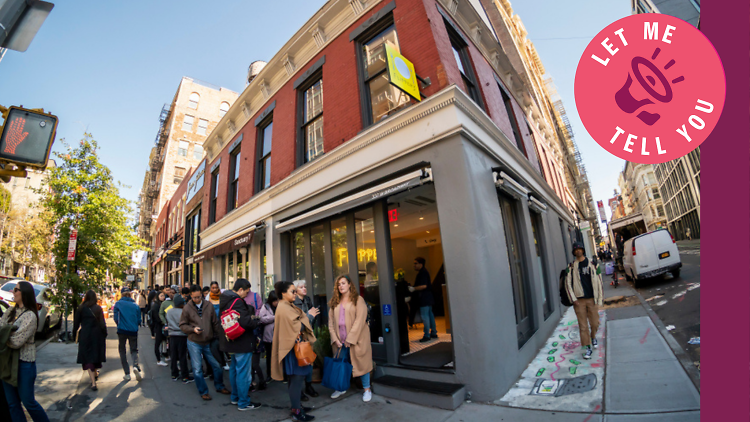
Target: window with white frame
{"type": "Point", "coordinates": [193, 100]}
{"type": "Point", "coordinates": [182, 148]}
{"type": "Point", "coordinates": [223, 108]}
{"type": "Point", "coordinates": [198, 152]}
{"type": "Point", "coordinates": [202, 126]}
{"type": "Point", "coordinates": [187, 124]}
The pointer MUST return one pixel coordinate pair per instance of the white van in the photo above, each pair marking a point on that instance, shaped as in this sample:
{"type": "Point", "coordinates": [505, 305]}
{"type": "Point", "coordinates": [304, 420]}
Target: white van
{"type": "Point", "coordinates": [650, 255]}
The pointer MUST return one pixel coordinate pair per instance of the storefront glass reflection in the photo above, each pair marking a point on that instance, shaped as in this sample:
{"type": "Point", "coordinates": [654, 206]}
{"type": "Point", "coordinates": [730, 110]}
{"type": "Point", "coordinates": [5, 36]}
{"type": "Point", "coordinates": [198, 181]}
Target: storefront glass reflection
{"type": "Point", "coordinates": [340, 248]}
{"type": "Point", "coordinates": [367, 264]}
{"type": "Point", "coordinates": [318, 284]}
{"type": "Point", "coordinates": [299, 255]}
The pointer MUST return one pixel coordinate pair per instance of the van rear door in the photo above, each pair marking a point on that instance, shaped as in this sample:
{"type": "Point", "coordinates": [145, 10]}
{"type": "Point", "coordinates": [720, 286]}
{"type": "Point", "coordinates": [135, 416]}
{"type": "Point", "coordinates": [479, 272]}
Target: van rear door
{"type": "Point", "coordinates": [645, 259]}
{"type": "Point", "coordinates": [666, 251]}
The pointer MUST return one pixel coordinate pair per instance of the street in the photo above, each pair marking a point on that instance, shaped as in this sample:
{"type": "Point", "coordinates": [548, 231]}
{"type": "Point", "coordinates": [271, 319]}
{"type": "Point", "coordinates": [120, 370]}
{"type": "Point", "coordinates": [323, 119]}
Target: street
{"type": "Point", "coordinates": [677, 301]}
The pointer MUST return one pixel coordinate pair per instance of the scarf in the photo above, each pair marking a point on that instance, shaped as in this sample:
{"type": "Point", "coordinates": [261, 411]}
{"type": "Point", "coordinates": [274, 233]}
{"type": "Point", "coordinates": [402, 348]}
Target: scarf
{"type": "Point", "coordinates": [214, 298]}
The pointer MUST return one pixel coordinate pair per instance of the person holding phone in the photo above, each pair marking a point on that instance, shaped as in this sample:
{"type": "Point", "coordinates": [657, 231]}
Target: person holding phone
{"type": "Point", "coordinates": [304, 302]}
{"type": "Point", "coordinates": [199, 322]}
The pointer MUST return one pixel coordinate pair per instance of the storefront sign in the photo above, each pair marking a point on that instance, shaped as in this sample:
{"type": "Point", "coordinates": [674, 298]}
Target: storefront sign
{"type": "Point", "coordinates": [172, 258]}
{"type": "Point", "coordinates": [225, 247]}
{"type": "Point", "coordinates": [401, 72]}
{"type": "Point", "coordinates": [428, 241]}
{"type": "Point", "coordinates": [196, 181]}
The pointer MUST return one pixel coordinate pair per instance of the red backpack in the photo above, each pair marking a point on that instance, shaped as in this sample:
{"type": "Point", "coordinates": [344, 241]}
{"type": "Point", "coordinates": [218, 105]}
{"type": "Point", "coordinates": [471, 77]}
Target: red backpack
{"type": "Point", "coordinates": [230, 322]}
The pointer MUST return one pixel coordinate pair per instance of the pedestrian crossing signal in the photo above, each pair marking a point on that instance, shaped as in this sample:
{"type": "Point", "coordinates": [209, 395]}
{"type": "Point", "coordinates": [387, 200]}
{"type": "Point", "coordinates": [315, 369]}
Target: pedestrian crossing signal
{"type": "Point", "coordinates": [27, 137]}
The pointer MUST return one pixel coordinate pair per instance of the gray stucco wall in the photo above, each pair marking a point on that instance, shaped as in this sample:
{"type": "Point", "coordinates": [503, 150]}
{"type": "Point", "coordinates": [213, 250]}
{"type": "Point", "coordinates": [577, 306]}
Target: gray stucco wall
{"type": "Point", "coordinates": [487, 357]}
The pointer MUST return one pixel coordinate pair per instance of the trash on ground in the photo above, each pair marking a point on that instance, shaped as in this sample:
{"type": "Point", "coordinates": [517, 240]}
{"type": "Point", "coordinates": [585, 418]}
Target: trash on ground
{"type": "Point", "coordinates": [654, 297]}
{"type": "Point", "coordinates": [670, 327]}
{"type": "Point", "coordinates": [663, 302]}
{"type": "Point", "coordinates": [695, 340]}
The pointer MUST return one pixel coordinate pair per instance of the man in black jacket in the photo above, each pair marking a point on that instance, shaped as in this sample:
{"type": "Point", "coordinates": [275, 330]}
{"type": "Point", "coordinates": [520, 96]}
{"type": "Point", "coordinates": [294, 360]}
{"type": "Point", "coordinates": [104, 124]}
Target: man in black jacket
{"type": "Point", "coordinates": [241, 349]}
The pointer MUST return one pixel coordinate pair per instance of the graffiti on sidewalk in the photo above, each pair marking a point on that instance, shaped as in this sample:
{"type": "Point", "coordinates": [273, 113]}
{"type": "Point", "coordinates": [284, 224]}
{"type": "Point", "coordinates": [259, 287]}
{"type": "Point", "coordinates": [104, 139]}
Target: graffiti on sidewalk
{"type": "Point", "coordinates": [564, 387]}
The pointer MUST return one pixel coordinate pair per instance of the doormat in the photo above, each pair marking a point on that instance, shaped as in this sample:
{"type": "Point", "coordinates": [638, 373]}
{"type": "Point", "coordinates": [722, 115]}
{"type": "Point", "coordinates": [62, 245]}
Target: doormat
{"type": "Point", "coordinates": [564, 387]}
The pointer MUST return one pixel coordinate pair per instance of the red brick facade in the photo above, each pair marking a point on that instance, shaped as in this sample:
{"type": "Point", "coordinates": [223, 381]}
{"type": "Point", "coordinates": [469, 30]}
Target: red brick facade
{"type": "Point", "coordinates": [423, 39]}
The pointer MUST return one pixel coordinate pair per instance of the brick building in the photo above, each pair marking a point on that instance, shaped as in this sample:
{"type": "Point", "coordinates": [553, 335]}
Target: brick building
{"type": "Point", "coordinates": [321, 168]}
{"type": "Point", "coordinates": [184, 125]}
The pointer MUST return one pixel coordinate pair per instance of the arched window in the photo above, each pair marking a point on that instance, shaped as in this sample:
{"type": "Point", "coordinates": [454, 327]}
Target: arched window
{"type": "Point", "coordinates": [223, 108]}
{"type": "Point", "coordinates": [194, 99]}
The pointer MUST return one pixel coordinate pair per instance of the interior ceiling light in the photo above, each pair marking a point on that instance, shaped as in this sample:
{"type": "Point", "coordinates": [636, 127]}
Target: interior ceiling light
{"type": "Point", "coordinates": [428, 232]}
{"type": "Point", "coordinates": [395, 225]}
{"type": "Point", "coordinates": [421, 217]}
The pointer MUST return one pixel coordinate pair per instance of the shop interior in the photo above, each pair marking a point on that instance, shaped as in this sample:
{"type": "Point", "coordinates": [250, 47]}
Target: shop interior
{"type": "Point", "coordinates": [415, 232]}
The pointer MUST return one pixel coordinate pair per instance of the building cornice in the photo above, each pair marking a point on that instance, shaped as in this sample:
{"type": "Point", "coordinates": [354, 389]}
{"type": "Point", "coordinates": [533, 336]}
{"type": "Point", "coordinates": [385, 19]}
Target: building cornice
{"type": "Point", "coordinates": [314, 178]}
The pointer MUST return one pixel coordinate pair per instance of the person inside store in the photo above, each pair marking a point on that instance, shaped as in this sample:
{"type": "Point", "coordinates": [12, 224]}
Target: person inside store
{"type": "Point", "coordinates": [347, 324]}
{"type": "Point", "coordinates": [290, 324]}
{"type": "Point", "coordinates": [423, 285]}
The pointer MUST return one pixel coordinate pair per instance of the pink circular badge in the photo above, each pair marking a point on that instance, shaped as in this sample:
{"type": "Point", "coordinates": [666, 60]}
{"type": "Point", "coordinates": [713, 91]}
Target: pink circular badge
{"type": "Point", "coordinates": [650, 88]}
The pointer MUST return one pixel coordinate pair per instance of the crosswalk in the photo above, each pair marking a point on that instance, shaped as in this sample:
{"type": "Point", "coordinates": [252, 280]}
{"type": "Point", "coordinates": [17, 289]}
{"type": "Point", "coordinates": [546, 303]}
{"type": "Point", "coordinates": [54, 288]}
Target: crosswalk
{"type": "Point", "coordinates": [690, 251]}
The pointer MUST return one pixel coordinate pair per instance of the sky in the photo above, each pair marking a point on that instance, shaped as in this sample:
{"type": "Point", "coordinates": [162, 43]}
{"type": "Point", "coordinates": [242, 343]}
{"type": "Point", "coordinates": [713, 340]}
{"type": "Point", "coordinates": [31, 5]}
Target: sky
{"type": "Point", "coordinates": [108, 67]}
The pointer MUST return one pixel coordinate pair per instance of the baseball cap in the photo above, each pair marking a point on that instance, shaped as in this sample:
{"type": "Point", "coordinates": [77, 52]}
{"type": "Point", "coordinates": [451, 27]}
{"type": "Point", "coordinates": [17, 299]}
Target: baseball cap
{"type": "Point", "coordinates": [125, 290]}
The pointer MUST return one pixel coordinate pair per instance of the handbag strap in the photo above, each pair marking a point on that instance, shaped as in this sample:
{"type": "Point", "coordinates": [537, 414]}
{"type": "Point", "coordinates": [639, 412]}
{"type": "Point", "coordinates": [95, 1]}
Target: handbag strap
{"type": "Point", "coordinates": [232, 305]}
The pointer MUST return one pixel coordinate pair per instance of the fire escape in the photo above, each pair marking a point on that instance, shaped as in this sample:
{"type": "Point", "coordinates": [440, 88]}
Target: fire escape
{"type": "Point", "coordinates": [151, 194]}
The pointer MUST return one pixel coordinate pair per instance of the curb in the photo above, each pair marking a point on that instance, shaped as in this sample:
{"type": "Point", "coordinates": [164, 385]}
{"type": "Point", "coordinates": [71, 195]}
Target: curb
{"type": "Point", "coordinates": [681, 355]}
{"type": "Point", "coordinates": [46, 342]}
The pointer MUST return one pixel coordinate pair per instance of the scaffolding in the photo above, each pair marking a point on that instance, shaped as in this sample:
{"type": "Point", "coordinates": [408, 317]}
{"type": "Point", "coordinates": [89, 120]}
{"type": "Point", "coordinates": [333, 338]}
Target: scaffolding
{"type": "Point", "coordinates": [152, 185]}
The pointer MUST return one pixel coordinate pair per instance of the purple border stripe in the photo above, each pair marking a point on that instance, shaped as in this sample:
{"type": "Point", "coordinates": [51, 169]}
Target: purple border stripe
{"type": "Point", "coordinates": [724, 242]}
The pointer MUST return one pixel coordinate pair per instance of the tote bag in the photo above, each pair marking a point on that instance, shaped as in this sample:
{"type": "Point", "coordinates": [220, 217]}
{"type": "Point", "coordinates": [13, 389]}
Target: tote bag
{"type": "Point", "coordinates": [337, 373]}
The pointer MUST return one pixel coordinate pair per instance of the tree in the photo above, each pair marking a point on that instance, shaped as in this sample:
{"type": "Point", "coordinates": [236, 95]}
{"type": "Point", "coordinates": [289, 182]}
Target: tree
{"type": "Point", "coordinates": [82, 194]}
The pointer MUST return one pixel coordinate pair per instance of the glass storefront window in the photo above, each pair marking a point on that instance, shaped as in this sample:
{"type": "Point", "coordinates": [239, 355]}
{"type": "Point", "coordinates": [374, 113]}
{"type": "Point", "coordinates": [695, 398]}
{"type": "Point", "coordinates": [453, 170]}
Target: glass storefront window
{"type": "Point", "coordinates": [367, 265]}
{"type": "Point", "coordinates": [518, 275]}
{"type": "Point", "coordinates": [230, 270]}
{"type": "Point", "coordinates": [318, 282]}
{"type": "Point", "coordinates": [340, 248]}
{"type": "Point", "coordinates": [536, 228]}
{"type": "Point", "coordinates": [299, 255]}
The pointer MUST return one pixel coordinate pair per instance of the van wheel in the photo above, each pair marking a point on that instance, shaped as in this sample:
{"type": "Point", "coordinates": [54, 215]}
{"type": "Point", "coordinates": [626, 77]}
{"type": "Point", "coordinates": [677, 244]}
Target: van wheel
{"type": "Point", "coordinates": [676, 273]}
{"type": "Point", "coordinates": [635, 281]}
{"type": "Point", "coordinates": [628, 278]}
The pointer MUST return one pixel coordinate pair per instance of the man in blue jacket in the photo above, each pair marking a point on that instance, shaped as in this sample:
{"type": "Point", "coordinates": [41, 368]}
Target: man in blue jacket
{"type": "Point", "coordinates": [126, 315]}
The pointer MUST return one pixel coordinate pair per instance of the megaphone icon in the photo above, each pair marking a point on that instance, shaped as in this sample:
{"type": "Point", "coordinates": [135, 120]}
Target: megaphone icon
{"type": "Point", "coordinates": [629, 104]}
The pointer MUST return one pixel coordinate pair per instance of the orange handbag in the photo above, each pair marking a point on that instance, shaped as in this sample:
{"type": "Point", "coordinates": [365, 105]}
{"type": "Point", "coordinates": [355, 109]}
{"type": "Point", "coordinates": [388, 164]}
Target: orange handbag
{"type": "Point", "coordinates": [304, 352]}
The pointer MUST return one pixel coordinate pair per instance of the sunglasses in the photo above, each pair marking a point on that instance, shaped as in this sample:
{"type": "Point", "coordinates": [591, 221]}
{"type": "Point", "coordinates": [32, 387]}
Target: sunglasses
{"type": "Point", "coordinates": [16, 289]}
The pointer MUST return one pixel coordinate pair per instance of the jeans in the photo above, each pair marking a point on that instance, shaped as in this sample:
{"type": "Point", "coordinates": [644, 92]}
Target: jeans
{"type": "Point", "coordinates": [428, 319]}
{"type": "Point", "coordinates": [198, 351]}
{"type": "Point", "coordinates": [24, 393]}
{"type": "Point", "coordinates": [133, 341]}
{"type": "Point", "coordinates": [143, 317]}
{"type": "Point", "coordinates": [364, 378]}
{"type": "Point", "coordinates": [178, 354]}
{"type": "Point", "coordinates": [239, 377]}
{"type": "Point", "coordinates": [295, 390]}
{"type": "Point", "coordinates": [158, 338]}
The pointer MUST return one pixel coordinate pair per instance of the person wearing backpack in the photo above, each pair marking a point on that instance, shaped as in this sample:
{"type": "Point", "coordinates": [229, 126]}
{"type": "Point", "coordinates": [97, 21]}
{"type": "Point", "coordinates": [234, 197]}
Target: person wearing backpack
{"type": "Point", "coordinates": [583, 283]}
{"type": "Point", "coordinates": [237, 337]}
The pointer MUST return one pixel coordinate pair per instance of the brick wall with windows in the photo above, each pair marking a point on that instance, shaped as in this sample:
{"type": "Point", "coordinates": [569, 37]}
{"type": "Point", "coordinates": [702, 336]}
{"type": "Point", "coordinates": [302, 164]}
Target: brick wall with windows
{"type": "Point", "coordinates": [422, 38]}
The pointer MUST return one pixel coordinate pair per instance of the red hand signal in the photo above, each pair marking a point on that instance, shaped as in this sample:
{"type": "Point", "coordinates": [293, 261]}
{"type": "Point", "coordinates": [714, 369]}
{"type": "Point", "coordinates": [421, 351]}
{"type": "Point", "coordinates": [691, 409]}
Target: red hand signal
{"type": "Point", "coordinates": [15, 135]}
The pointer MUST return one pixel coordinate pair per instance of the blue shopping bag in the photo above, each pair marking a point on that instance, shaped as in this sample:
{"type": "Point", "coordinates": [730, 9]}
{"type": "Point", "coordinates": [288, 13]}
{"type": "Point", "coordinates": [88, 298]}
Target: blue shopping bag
{"type": "Point", "coordinates": [337, 373]}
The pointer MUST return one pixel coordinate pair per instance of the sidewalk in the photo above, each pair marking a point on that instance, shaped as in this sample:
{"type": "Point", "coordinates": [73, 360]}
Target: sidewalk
{"type": "Point", "coordinates": [637, 375]}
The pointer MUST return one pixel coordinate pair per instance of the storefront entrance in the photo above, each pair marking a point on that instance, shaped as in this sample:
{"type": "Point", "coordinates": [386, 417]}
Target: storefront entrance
{"type": "Point", "coordinates": [376, 245]}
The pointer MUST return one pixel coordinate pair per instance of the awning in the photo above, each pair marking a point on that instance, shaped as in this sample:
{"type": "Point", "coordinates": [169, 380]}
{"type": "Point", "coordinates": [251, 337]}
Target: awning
{"type": "Point", "coordinates": [383, 190]}
{"type": "Point", "coordinates": [244, 238]}
{"type": "Point", "coordinates": [509, 185]}
{"type": "Point", "coordinates": [174, 246]}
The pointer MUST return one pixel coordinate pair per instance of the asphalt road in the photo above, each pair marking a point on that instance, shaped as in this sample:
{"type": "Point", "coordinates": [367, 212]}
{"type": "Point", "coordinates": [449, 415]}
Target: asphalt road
{"type": "Point", "coordinates": [677, 301]}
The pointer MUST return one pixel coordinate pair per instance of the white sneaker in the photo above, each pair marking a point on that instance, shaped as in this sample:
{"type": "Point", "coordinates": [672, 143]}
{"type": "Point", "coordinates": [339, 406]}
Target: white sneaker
{"type": "Point", "coordinates": [162, 363]}
{"type": "Point", "coordinates": [594, 343]}
{"type": "Point", "coordinates": [337, 394]}
{"type": "Point", "coordinates": [126, 377]}
{"type": "Point", "coordinates": [137, 373]}
{"type": "Point", "coordinates": [226, 367]}
{"type": "Point", "coordinates": [367, 396]}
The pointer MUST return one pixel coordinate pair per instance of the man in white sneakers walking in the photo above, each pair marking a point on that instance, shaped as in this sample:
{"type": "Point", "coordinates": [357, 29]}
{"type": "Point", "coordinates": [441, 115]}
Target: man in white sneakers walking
{"type": "Point", "coordinates": [127, 315]}
{"type": "Point", "coordinates": [584, 286]}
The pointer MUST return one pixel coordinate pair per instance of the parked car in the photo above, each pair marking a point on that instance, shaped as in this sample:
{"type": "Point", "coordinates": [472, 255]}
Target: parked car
{"type": "Point", "coordinates": [48, 315]}
{"type": "Point", "coordinates": [651, 254]}
{"type": "Point", "coordinates": [3, 307]}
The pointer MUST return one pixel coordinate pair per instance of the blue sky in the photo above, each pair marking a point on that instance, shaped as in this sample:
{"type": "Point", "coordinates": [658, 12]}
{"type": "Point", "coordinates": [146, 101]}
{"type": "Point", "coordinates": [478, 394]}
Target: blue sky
{"type": "Point", "coordinates": [108, 67]}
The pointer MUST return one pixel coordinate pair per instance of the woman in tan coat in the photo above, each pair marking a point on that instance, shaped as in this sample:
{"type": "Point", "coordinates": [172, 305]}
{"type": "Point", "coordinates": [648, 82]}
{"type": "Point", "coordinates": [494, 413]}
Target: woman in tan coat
{"type": "Point", "coordinates": [290, 322]}
{"type": "Point", "coordinates": [347, 323]}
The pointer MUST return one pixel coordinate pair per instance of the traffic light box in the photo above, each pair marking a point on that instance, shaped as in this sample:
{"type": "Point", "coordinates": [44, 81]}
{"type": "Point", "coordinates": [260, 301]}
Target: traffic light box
{"type": "Point", "coordinates": [27, 137]}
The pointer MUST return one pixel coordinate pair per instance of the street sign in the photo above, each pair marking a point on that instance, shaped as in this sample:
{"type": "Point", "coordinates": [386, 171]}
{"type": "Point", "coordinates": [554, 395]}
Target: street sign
{"type": "Point", "coordinates": [72, 245]}
{"type": "Point", "coordinates": [130, 278]}
{"type": "Point", "coordinates": [27, 137]}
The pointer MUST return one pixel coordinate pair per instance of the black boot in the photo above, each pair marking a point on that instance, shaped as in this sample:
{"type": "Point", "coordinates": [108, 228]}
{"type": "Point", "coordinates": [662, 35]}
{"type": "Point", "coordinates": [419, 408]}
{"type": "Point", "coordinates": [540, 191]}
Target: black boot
{"type": "Point", "coordinates": [300, 415]}
{"type": "Point", "coordinates": [303, 397]}
{"type": "Point", "coordinates": [309, 390]}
